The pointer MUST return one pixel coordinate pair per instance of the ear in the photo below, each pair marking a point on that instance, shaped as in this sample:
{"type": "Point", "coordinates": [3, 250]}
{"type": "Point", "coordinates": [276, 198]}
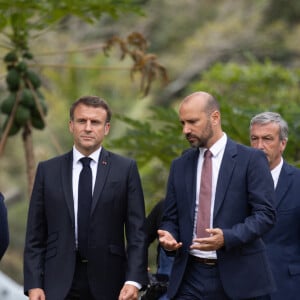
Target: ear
{"type": "Point", "coordinates": [71, 126]}
{"type": "Point", "coordinates": [106, 128]}
{"type": "Point", "coordinates": [215, 117]}
{"type": "Point", "coordinates": [283, 145]}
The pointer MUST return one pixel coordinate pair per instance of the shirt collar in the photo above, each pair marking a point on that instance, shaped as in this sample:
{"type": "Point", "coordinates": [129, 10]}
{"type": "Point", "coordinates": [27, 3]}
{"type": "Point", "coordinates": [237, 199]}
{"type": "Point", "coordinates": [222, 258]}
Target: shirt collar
{"type": "Point", "coordinates": [276, 172]}
{"type": "Point", "coordinates": [278, 167]}
{"type": "Point", "coordinates": [94, 156]}
{"type": "Point", "coordinates": [217, 147]}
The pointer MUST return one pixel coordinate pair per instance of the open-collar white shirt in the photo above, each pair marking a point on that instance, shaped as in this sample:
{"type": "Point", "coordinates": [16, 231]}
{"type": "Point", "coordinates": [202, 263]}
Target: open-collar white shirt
{"type": "Point", "coordinates": [276, 172]}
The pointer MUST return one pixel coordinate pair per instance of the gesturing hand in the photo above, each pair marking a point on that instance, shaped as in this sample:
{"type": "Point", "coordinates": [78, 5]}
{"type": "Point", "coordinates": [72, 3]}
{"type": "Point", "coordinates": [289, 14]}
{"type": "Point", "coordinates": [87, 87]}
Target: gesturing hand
{"type": "Point", "coordinates": [214, 242]}
{"type": "Point", "coordinates": [167, 241]}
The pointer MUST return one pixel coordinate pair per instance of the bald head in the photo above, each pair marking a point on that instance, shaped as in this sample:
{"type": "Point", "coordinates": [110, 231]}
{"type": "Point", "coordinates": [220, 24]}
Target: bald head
{"type": "Point", "coordinates": [203, 101]}
{"type": "Point", "coordinates": [201, 119]}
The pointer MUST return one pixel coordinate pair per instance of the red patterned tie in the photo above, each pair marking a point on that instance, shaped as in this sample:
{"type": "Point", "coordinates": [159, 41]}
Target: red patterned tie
{"type": "Point", "coordinates": [203, 218]}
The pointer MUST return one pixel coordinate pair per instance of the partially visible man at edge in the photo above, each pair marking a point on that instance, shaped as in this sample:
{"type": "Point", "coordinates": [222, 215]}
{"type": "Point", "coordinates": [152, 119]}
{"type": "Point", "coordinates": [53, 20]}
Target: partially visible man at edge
{"type": "Point", "coordinates": [269, 132]}
{"type": "Point", "coordinates": [4, 232]}
{"type": "Point", "coordinates": [109, 268]}
{"type": "Point", "coordinates": [231, 262]}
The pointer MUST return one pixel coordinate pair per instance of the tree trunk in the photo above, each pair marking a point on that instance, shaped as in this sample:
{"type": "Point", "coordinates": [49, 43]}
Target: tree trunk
{"type": "Point", "coordinates": [29, 156]}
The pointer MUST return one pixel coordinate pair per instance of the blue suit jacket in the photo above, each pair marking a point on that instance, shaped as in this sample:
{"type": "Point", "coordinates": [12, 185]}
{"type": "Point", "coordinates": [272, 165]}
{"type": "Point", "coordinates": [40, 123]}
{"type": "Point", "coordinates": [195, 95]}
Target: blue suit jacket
{"type": "Point", "coordinates": [283, 241]}
{"type": "Point", "coordinates": [117, 205]}
{"type": "Point", "coordinates": [4, 235]}
{"type": "Point", "coordinates": [243, 210]}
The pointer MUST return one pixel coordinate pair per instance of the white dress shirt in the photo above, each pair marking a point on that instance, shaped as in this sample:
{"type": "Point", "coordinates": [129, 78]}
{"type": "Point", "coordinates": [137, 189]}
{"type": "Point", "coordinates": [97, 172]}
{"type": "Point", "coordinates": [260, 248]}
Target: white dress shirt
{"type": "Point", "coordinates": [217, 150]}
{"type": "Point", "coordinates": [77, 167]}
{"type": "Point", "coordinates": [276, 172]}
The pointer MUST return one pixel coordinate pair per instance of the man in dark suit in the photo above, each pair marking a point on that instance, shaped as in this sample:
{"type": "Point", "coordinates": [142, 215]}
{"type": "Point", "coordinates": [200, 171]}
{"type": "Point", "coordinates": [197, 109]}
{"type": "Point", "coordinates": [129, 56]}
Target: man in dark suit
{"type": "Point", "coordinates": [164, 262]}
{"type": "Point", "coordinates": [4, 233]}
{"type": "Point", "coordinates": [269, 132]}
{"type": "Point", "coordinates": [55, 266]}
{"type": "Point", "coordinates": [228, 260]}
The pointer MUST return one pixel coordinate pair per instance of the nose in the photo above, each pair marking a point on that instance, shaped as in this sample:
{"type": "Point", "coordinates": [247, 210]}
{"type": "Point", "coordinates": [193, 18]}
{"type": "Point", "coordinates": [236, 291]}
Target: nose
{"type": "Point", "coordinates": [88, 125]}
{"type": "Point", "coordinates": [185, 129]}
{"type": "Point", "coordinates": [258, 144]}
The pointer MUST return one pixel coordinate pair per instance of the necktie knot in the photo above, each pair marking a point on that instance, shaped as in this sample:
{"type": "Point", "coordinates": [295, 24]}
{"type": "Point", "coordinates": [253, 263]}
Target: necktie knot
{"type": "Point", "coordinates": [207, 154]}
{"type": "Point", "coordinates": [85, 161]}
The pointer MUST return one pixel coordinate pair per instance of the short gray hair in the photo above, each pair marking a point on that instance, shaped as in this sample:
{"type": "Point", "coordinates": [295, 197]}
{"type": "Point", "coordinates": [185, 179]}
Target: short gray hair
{"type": "Point", "coordinates": [272, 117]}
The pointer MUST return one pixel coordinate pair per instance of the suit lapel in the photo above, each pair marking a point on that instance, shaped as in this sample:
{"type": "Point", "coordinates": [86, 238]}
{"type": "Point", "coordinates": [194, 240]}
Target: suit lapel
{"type": "Point", "coordinates": [66, 172]}
{"type": "Point", "coordinates": [190, 179]}
{"type": "Point", "coordinates": [226, 169]}
{"type": "Point", "coordinates": [284, 182]}
{"type": "Point", "coordinates": [103, 168]}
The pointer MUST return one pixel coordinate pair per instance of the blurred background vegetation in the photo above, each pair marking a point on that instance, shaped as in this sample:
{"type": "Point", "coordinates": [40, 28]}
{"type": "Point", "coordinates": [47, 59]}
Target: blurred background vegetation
{"type": "Point", "coordinates": [246, 53]}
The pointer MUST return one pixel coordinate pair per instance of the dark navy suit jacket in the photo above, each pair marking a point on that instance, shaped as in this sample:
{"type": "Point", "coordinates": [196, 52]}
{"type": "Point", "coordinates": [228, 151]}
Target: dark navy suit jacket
{"type": "Point", "coordinates": [243, 210]}
{"type": "Point", "coordinates": [117, 210]}
{"type": "Point", "coordinates": [4, 234]}
{"type": "Point", "coordinates": [283, 241]}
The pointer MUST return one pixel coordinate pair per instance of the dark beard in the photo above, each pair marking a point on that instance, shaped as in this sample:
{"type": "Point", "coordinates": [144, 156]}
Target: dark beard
{"type": "Point", "coordinates": [201, 141]}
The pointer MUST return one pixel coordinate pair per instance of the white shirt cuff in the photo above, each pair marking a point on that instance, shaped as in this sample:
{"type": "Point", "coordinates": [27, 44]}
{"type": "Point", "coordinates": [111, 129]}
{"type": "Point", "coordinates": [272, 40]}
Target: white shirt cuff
{"type": "Point", "coordinates": [136, 284]}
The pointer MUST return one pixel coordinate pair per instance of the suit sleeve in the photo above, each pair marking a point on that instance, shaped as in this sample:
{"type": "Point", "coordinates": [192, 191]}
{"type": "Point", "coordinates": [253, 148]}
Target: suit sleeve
{"type": "Point", "coordinates": [170, 215]}
{"type": "Point", "coordinates": [260, 197]}
{"type": "Point", "coordinates": [35, 242]}
{"type": "Point", "coordinates": [4, 233]}
{"type": "Point", "coordinates": [135, 229]}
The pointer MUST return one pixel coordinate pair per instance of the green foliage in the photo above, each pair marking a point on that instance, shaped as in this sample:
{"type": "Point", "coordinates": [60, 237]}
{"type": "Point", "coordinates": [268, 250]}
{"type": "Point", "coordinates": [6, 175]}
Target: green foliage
{"type": "Point", "coordinates": [288, 11]}
{"type": "Point", "coordinates": [242, 90]}
{"type": "Point", "coordinates": [20, 21]}
{"type": "Point", "coordinates": [8, 103]}
{"type": "Point", "coordinates": [24, 102]}
{"type": "Point", "coordinates": [153, 142]}
{"type": "Point", "coordinates": [245, 90]}
{"type": "Point", "coordinates": [157, 137]}
{"type": "Point", "coordinates": [13, 80]}
{"type": "Point", "coordinates": [203, 29]}
{"type": "Point", "coordinates": [24, 15]}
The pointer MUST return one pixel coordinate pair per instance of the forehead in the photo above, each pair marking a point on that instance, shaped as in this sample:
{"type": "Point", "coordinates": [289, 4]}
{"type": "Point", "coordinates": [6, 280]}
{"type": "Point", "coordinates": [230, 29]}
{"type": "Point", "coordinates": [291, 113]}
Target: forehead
{"type": "Point", "coordinates": [191, 110]}
{"type": "Point", "coordinates": [84, 111]}
{"type": "Point", "coordinates": [265, 129]}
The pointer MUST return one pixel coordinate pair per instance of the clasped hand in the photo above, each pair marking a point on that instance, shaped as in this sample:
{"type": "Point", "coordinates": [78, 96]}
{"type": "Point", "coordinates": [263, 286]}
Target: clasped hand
{"type": "Point", "coordinates": [214, 242]}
